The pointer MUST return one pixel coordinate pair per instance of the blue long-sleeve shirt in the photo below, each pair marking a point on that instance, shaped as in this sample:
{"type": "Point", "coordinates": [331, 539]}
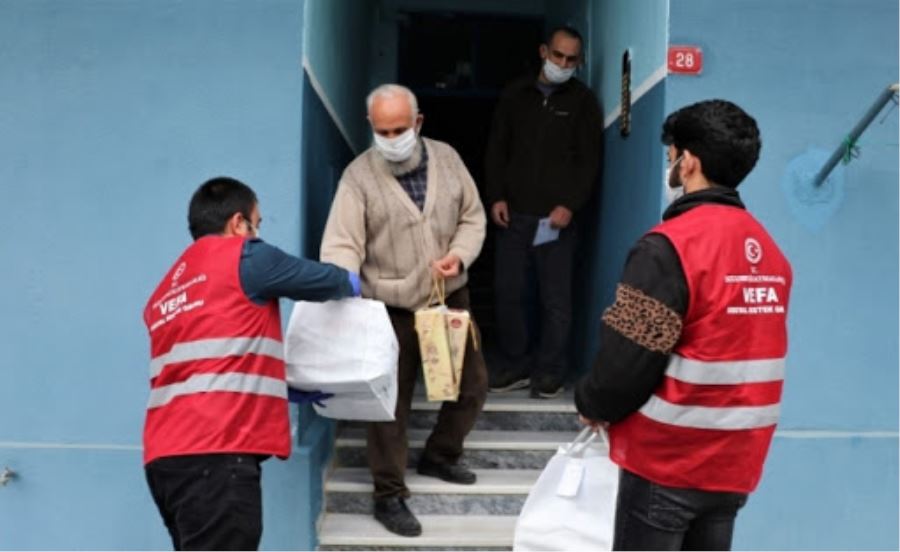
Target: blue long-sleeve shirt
{"type": "Point", "coordinates": [267, 273]}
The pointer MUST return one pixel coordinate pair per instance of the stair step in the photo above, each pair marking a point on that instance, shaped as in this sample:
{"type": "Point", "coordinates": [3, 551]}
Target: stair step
{"type": "Point", "coordinates": [512, 401]}
{"type": "Point", "coordinates": [447, 532]}
{"type": "Point", "coordinates": [512, 411]}
{"type": "Point", "coordinates": [497, 492]}
{"type": "Point", "coordinates": [476, 440]}
{"type": "Point", "coordinates": [506, 421]}
{"type": "Point", "coordinates": [513, 482]}
{"type": "Point", "coordinates": [484, 449]}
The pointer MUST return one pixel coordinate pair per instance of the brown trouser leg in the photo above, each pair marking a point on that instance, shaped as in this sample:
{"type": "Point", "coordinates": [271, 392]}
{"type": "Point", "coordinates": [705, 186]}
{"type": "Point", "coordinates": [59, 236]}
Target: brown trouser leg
{"type": "Point", "coordinates": [387, 443]}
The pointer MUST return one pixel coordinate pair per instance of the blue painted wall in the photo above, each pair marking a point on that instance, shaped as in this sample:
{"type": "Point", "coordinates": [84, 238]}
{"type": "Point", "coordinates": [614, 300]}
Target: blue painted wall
{"type": "Point", "coordinates": [337, 46]}
{"type": "Point", "coordinates": [640, 25]}
{"type": "Point", "coordinates": [325, 155]}
{"type": "Point", "coordinates": [808, 70]}
{"type": "Point", "coordinates": [627, 202]}
{"type": "Point", "coordinates": [112, 113]}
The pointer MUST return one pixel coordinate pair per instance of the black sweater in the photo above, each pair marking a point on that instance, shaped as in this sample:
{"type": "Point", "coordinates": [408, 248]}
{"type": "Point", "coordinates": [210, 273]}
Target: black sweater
{"type": "Point", "coordinates": [625, 374]}
{"type": "Point", "coordinates": [544, 152]}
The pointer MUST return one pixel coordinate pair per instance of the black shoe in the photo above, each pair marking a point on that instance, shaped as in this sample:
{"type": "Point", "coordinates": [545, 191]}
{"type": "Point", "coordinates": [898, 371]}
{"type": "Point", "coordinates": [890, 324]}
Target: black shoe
{"type": "Point", "coordinates": [454, 473]}
{"type": "Point", "coordinates": [546, 387]}
{"type": "Point", "coordinates": [393, 513]}
{"type": "Point", "coordinates": [508, 381]}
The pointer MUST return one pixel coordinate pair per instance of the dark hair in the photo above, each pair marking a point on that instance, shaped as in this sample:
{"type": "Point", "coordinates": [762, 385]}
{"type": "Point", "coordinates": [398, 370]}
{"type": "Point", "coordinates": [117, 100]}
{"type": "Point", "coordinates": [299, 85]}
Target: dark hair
{"type": "Point", "coordinates": [216, 201]}
{"type": "Point", "coordinates": [722, 135]}
{"type": "Point", "coordinates": [566, 30]}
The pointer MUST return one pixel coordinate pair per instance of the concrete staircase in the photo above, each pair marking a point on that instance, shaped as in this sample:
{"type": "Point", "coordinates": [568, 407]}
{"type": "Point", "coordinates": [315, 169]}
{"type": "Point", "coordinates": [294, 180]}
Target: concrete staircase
{"type": "Point", "coordinates": [512, 441]}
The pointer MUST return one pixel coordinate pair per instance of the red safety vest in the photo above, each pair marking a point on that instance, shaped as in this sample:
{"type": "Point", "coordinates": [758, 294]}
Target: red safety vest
{"type": "Point", "coordinates": [710, 422]}
{"type": "Point", "coordinates": [217, 376]}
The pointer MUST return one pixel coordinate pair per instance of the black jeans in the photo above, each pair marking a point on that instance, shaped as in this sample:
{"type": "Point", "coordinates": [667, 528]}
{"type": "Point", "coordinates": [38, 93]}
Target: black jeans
{"type": "Point", "coordinates": [552, 262]}
{"type": "Point", "coordinates": [209, 501]}
{"type": "Point", "coordinates": [655, 517]}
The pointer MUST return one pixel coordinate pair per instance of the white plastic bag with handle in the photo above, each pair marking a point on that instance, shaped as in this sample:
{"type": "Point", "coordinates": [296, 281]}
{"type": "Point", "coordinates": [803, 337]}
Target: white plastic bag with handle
{"type": "Point", "coordinates": [347, 348]}
{"type": "Point", "coordinates": [572, 506]}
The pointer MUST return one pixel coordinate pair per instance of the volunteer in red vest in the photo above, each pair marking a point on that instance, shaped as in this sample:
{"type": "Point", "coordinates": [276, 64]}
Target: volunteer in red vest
{"type": "Point", "coordinates": [218, 398]}
{"type": "Point", "coordinates": [689, 375]}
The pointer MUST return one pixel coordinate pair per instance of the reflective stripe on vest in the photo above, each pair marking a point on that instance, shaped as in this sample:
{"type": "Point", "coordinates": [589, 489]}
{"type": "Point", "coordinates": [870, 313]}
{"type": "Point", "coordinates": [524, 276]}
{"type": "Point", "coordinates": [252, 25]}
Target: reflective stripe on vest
{"type": "Point", "coordinates": [217, 348]}
{"type": "Point", "coordinates": [707, 417]}
{"type": "Point", "coordinates": [231, 382]}
{"type": "Point", "coordinates": [725, 372]}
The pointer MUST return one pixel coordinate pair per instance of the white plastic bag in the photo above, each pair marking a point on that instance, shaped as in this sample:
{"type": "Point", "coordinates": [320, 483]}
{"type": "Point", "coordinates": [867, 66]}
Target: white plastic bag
{"type": "Point", "coordinates": [347, 348]}
{"type": "Point", "coordinates": [572, 506]}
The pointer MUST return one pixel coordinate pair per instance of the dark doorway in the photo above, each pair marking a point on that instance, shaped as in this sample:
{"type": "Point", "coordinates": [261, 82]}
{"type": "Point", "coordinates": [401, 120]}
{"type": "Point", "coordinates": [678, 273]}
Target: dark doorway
{"type": "Point", "coordinates": [457, 64]}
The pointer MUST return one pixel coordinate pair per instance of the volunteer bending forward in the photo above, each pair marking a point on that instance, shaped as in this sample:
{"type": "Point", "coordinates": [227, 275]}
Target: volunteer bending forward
{"type": "Point", "coordinates": [690, 371]}
{"type": "Point", "coordinates": [218, 397]}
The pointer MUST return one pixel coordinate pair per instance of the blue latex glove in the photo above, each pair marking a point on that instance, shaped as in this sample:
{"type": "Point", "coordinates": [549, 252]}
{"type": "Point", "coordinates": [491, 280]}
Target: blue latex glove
{"type": "Point", "coordinates": [354, 283]}
{"type": "Point", "coordinates": [317, 398]}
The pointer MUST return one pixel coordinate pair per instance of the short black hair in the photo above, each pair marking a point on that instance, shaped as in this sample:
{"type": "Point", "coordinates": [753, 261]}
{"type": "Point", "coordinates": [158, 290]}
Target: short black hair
{"type": "Point", "coordinates": [721, 134]}
{"type": "Point", "coordinates": [216, 201]}
{"type": "Point", "coordinates": [571, 32]}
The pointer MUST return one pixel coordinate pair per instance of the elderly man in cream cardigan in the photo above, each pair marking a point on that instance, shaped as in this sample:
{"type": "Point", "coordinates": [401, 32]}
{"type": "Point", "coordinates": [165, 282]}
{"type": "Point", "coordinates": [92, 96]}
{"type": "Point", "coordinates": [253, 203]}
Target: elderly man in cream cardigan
{"type": "Point", "coordinates": [405, 211]}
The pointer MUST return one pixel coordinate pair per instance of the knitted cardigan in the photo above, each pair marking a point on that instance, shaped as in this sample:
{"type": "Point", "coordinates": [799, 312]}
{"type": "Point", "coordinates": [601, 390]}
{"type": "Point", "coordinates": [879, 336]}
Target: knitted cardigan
{"type": "Point", "coordinates": [375, 229]}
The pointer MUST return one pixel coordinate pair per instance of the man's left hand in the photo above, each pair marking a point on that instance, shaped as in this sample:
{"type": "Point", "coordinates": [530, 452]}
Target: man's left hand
{"type": "Point", "coordinates": [596, 425]}
{"type": "Point", "coordinates": [560, 217]}
{"type": "Point", "coordinates": [314, 397]}
{"type": "Point", "coordinates": [448, 267]}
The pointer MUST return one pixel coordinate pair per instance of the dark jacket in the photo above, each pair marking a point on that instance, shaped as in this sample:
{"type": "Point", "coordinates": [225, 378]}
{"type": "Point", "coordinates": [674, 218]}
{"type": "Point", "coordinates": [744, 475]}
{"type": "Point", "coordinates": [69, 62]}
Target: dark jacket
{"type": "Point", "coordinates": [544, 152]}
{"type": "Point", "coordinates": [625, 373]}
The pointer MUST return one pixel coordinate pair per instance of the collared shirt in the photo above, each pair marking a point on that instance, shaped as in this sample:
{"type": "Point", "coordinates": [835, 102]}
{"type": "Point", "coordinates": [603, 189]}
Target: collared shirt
{"type": "Point", "coordinates": [546, 89]}
{"type": "Point", "coordinates": [415, 182]}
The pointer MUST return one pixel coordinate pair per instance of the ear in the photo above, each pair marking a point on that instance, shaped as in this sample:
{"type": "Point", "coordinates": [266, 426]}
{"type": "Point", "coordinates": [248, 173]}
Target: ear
{"type": "Point", "coordinates": [420, 120]}
{"type": "Point", "coordinates": [235, 226]}
{"type": "Point", "coordinates": [691, 163]}
{"type": "Point", "coordinates": [543, 51]}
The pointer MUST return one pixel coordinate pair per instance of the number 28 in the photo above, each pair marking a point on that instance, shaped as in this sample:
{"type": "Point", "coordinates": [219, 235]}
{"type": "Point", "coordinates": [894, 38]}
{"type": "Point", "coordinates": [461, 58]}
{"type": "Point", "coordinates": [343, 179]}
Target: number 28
{"type": "Point", "coordinates": [684, 60]}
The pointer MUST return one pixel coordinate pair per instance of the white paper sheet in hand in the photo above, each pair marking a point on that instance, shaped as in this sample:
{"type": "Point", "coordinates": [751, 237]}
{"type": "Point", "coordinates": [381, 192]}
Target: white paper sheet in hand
{"type": "Point", "coordinates": [545, 233]}
{"type": "Point", "coordinates": [347, 348]}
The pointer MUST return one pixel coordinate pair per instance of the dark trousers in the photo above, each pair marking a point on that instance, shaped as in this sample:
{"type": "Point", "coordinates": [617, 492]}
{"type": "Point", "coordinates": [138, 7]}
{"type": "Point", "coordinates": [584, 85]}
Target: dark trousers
{"type": "Point", "coordinates": [209, 501]}
{"type": "Point", "coordinates": [552, 263]}
{"type": "Point", "coordinates": [655, 517]}
{"type": "Point", "coordinates": [387, 444]}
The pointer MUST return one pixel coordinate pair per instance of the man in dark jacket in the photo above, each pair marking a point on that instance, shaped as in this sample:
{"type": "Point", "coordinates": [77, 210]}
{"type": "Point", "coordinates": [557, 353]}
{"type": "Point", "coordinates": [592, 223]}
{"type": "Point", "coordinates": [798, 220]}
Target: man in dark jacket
{"type": "Point", "coordinates": [542, 160]}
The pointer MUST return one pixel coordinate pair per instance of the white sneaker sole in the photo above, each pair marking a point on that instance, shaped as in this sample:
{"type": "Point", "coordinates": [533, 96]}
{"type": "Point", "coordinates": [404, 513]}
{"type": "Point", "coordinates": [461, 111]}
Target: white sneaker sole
{"type": "Point", "coordinates": [514, 386]}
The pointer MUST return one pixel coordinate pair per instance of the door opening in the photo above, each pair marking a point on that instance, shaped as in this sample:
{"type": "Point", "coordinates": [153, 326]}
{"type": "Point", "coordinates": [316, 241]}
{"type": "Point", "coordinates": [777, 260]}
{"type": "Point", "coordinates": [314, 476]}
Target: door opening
{"type": "Point", "coordinates": [457, 65]}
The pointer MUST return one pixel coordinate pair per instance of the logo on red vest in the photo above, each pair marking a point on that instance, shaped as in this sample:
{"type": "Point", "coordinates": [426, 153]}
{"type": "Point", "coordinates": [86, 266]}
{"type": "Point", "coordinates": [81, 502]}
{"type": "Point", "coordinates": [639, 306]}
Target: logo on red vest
{"type": "Point", "coordinates": [752, 250]}
{"type": "Point", "coordinates": [178, 272]}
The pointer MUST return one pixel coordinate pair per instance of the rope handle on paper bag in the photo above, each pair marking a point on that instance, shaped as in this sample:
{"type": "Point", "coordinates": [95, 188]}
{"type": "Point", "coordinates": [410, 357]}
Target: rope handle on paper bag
{"type": "Point", "coordinates": [585, 438]}
{"type": "Point", "coordinates": [438, 296]}
{"type": "Point", "coordinates": [438, 291]}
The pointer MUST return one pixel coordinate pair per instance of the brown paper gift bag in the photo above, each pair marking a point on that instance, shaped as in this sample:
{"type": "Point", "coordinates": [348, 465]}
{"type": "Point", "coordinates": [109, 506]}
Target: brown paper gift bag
{"type": "Point", "coordinates": [442, 334]}
{"type": "Point", "coordinates": [459, 325]}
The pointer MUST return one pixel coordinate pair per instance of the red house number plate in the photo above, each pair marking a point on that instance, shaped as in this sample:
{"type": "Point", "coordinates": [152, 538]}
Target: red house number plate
{"type": "Point", "coordinates": [685, 60]}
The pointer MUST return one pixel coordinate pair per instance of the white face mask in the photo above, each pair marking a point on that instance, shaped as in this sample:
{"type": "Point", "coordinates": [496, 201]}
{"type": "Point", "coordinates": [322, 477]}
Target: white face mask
{"type": "Point", "coordinates": [252, 231]}
{"type": "Point", "coordinates": [555, 73]}
{"type": "Point", "coordinates": [396, 149]}
{"type": "Point", "coordinates": [672, 193]}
